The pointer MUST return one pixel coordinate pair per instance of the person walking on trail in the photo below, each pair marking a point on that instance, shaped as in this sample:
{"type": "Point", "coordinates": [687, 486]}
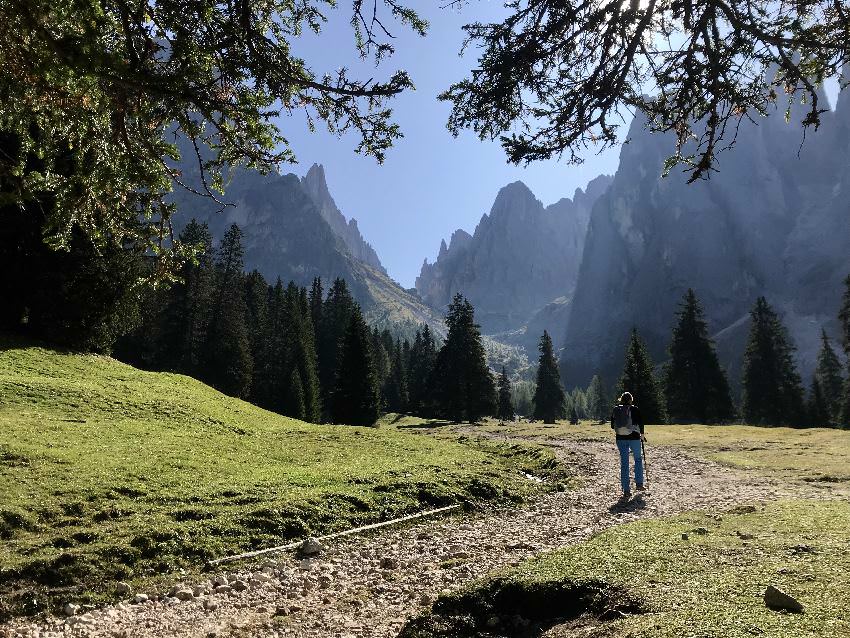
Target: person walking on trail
{"type": "Point", "coordinates": [628, 426]}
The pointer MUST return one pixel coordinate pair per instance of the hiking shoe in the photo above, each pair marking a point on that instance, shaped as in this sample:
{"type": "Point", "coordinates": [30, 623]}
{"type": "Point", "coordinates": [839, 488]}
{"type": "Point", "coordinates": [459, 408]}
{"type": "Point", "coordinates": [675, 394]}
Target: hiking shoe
{"type": "Point", "coordinates": [626, 495]}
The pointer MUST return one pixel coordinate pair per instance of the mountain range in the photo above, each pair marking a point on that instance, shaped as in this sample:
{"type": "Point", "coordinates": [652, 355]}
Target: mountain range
{"type": "Point", "coordinates": [773, 220]}
{"type": "Point", "coordinates": [293, 229]}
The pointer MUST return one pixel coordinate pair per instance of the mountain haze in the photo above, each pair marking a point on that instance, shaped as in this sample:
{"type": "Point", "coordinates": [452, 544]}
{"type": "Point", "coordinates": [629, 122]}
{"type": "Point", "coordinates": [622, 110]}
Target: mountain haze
{"type": "Point", "coordinates": [774, 221]}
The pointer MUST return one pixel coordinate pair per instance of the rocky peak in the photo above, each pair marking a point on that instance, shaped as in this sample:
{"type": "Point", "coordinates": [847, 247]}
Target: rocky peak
{"type": "Point", "coordinates": [315, 185]}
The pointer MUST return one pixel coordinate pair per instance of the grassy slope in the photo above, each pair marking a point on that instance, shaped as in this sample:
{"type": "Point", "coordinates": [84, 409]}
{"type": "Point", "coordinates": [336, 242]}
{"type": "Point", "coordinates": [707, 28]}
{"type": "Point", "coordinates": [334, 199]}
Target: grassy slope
{"type": "Point", "coordinates": [108, 472]}
{"type": "Point", "coordinates": [708, 586]}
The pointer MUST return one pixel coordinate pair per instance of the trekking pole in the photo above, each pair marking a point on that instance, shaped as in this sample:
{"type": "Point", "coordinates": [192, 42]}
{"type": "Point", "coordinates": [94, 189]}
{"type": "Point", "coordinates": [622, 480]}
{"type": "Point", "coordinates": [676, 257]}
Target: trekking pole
{"type": "Point", "coordinates": [645, 462]}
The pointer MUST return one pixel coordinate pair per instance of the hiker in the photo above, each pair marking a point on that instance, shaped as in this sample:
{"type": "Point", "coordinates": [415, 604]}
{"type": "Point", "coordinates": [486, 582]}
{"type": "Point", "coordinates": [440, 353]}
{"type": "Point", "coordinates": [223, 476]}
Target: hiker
{"type": "Point", "coordinates": [628, 426]}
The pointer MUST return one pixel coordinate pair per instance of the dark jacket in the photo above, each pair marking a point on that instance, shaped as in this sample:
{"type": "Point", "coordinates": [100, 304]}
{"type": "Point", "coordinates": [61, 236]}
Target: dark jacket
{"type": "Point", "coordinates": [636, 418]}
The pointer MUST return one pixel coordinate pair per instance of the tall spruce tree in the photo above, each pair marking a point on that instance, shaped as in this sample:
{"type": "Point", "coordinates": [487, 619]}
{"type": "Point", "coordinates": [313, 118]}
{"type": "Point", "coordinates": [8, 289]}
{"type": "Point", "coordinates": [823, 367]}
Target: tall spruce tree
{"type": "Point", "coordinates": [817, 408]}
{"type": "Point", "coordinates": [337, 310]}
{"type": "Point", "coordinates": [462, 385]}
{"type": "Point", "coordinates": [183, 323]}
{"type": "Point", "coordinates": [772, 389]}
{"type": "Point", "coordinates": [830, 380]}
{"type": "Point", "coordinates": [505, 409]}
{"type": "Point", "coordinates": [639, 379]}
{"type": "Point", "coordinates": [549, 398]}
{"type": "Point", "coordinates": [423, 355]}
{"type": "Point", "coordinates": [598, 403]}
{"type": "Point", "coordinates": [257, 302]}
{"type": "Point", "coordinates": [300, 354]}
{"type": "Point", "coordinates": [395, 389]}
{"type": "Point", "coordinates": [844, 318]}
{"type": "Point", "coordinates": [356, 396]}
{"type": "Point", "coordinates": [695, 386]}
{"type": "Point", "coordinates": [228, 349]}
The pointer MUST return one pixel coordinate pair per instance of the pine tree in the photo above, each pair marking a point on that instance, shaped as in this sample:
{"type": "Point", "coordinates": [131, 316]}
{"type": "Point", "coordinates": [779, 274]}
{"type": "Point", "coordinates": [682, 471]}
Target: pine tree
{"type": "Point", "coordinates": [830, 380]}
{"type": "Point", "coordinates": [695, 386]}
{"type": "Point", "coordinates": [549, 394]}
{"type": "Point", "coordinates": [817, 409]}
{"type": "Point", "coordinates": [523, 397]}
{"type": "Point", "coordinates": [844, 318]}
{"type": "Point", "coordinates": [462, 385]}
{"type": "Point", "coordinates": [423, 354]}
{"type": "Point", "coordinates": [598, 403]}
{"type": "Point", "coordinates": [257, 301]}
{"type": "Point", "coordinates": [505, 410]}
{"type": "Point", "coordinates": [228, 350]}
{"type": "Point", "coordinates": [299, 354]}
{"type": "Point", "coordinates": [395, 389]}
{"type": "Point", "coordinates": [772, 388]}
{"type": "Point", "coordinates": [638, 379]}
{"type": "Point", "coordinates": [356, 396]}
{"type": "Point", "coordinates": [577, 401]}
{"type": "Point", "coordinates": [337, 310]}
{"type": "Point", "coordinates": [182, 326]}
{"type": "Point", "coordinates": [316, 300]}
{"type": "Point", "coordinates": [294, 399]}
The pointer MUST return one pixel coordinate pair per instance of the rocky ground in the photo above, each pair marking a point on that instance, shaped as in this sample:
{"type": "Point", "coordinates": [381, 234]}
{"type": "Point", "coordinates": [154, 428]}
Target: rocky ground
{"type": "Point", "coordinates": [369, 586]}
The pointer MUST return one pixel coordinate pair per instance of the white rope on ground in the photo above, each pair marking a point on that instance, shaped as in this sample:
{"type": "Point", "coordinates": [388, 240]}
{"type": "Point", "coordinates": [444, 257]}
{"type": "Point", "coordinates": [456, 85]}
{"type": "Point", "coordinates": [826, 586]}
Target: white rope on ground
{"type": "Point", "coordinates": [348, 532]}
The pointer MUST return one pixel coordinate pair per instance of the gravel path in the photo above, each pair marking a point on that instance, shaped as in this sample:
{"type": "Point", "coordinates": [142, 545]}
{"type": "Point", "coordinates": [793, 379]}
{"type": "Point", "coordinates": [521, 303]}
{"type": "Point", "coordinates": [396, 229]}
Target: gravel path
{"type": "Point", "coordinates": [369, 586]}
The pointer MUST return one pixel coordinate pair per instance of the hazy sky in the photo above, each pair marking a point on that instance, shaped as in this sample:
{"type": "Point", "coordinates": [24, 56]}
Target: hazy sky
{"type": "Point", "coordinates": [430, 183]}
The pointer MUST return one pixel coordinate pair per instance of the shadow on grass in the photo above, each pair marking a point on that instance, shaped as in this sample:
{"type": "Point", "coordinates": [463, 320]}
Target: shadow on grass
{"type": "Point", "coordinates": [427, 425]}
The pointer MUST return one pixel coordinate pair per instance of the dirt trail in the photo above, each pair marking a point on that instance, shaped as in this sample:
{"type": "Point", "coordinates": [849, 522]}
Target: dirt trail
{"type": "Point", "coordinates": [369, 586]}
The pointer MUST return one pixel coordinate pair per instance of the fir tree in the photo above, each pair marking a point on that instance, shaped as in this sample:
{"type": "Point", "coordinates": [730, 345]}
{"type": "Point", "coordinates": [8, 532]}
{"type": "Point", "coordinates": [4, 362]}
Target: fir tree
{"type": "Point", "coordinates": [844, 318]}
{"type": "Point", "coordinates": [356, 396]}
{"type": "Point", "coordinates": [577, 400]}
{"type": "Point", "coordinates": [299, 353]}
{"type": "Point", "coordinates": [549, 393]}
{"type": "Point", "coordinates": [772, 388]}
{"type": "Point", "coordinates": [598, 403]}
{"type": "Point", "coordinates": [462, 385]}
{"type": "Point", "coordinates": [639, 379]}
{"type": "Point", "coordinates": [695, 386]}
{"type": "Point", "coordinates": [395, 388]}
{"type": "Point", "coordinates": [505, 410]}
{"type": "Point", "coordinates": [182, 330]}
{"type": "Point", "coordinates": [817, 409]}
{"type": "Point", "coordinates": [294, 399]}
{"type": "Point", "coordinates": [523, 397]}
{"type": "Point", "coordinates": [830, 381]}
{"type": "Point", "coordinates": [337, 310]}
{"type": "Point", "coordinates": [228, 350]}
{"type": "Point", "coordinates": [257, 300]}
{"type": "Point", "coordinates": [423, 355]}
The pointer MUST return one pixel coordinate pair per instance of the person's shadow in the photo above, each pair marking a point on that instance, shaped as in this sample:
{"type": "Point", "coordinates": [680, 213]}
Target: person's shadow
{"type": "Point", "coordinates": [634, 504]}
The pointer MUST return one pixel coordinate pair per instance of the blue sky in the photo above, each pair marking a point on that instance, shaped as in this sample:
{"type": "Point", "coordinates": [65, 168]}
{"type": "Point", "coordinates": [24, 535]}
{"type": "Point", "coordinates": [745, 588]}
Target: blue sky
{"type": "Point", "coordinates": [430, 183]}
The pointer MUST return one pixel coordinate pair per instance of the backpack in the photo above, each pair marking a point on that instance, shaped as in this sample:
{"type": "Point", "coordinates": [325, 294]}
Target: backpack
{"type": "Point", "coordinates": [622, 420]}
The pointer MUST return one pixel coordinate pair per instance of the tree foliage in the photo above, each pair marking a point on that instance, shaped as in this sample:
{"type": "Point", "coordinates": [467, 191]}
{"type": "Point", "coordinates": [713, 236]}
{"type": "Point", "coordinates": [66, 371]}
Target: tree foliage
{"type": "Point", "coordinates": [549, 398]}
{"type": "Point", "coordinates": [598, 402]}
{"type": "Point", "coordinates": [505, 407]}
{"type": "Point", "coordinates": [554, 77]}
{"type": "Point", "coordinates": [830, 381]}
{"type": "Point", "coordinates": [463, 388]}
{"type": "Point", "coordinates": [639, 379]}
{"type": "Point", "coordinates": [695, 386]}
{"type": "Point", "coordinates": [356, 396]}
{"type": "Point", "coordinates": [94, 91]}
{"type": "Point", "coordinates": [773, 393]}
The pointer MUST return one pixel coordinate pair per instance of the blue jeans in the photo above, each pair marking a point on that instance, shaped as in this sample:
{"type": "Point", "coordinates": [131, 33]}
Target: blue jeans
{"type": "Point", "coordinates": [625, 446]}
